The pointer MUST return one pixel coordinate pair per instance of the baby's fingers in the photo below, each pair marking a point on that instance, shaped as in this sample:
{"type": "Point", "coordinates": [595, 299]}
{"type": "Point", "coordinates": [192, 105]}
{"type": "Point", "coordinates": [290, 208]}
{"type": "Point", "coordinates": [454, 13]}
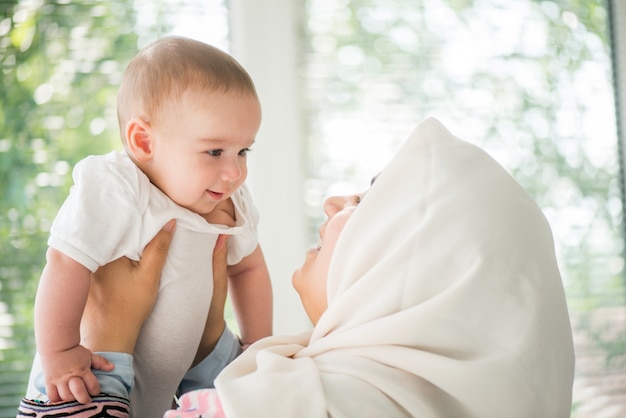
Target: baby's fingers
{"type": "Point", "coordinates": [52, 393]}
{"type": "Point", "coordinates": [101, 363]}
{"type": "Point", "coordinates": [78, 390]}
{"type": "Point", "coordinates": [92, 385]}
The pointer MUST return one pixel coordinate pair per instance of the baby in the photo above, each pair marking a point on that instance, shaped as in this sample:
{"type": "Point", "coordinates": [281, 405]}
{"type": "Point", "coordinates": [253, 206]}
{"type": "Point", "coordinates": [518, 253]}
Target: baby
{"type": "Point", "coordinates": [188, 115]}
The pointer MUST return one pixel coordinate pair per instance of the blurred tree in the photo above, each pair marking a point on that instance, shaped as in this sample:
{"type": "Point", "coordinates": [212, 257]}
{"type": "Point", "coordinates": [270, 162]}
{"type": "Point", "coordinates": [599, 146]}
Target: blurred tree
{"type": "Point", "coordinates": [61, 63]}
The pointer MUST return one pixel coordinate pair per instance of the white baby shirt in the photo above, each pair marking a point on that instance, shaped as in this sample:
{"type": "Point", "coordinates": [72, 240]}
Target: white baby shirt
{"type": "Point", "coordinates": [113, 210]}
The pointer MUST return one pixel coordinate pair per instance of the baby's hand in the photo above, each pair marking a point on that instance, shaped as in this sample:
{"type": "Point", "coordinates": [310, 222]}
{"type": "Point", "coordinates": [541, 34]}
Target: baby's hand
{"type": "Point", "coordinates": [68, 374]}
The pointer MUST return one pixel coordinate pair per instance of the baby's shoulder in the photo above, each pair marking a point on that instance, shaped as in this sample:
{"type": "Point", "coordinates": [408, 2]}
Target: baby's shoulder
{"type": "Point", "coordinates": [110, 167]}
{"type": "Point", "coordinates": [113, 173]}
{"type": "Point", "coordinates": [114, 161]}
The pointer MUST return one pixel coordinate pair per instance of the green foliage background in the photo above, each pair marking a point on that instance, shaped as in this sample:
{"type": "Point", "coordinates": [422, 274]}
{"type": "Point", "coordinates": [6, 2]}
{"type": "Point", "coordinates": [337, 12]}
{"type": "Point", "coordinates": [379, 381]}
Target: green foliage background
{"type": "Point", "coordinates": [61, 63]}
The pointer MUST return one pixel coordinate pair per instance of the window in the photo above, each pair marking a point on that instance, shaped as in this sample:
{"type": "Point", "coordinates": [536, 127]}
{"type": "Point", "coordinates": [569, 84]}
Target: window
{"type": "Point", "coordinates": [530, 81]}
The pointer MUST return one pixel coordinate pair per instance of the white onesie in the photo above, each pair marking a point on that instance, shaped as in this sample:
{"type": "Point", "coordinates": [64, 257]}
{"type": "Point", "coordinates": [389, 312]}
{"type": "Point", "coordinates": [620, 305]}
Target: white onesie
{"type": "Point", "coordinates": [113, 210]}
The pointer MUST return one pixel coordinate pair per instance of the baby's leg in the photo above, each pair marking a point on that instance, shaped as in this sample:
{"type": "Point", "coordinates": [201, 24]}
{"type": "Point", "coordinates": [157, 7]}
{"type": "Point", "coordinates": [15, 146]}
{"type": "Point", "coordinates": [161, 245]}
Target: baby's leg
{"type": "Point", "coordinates": [118, 382]}
{"type": "Point", "coordinates": [115, 385]}
{"type": "Point", "coordinates": [102, 406]}
{"type": "Point", "coordinates": [204, 373]}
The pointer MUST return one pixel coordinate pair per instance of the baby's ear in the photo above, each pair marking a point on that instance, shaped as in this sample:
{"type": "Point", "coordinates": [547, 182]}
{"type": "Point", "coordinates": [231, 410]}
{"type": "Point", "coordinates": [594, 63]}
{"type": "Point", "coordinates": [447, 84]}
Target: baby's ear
{"type": "Point", "coordinates": [139, 139]}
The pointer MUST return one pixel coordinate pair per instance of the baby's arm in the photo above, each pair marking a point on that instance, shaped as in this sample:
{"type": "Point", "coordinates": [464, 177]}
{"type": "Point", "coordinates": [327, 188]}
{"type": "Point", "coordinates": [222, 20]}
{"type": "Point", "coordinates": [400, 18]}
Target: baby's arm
{"type": "Point", "coordinates": [251, 295]}
{"type": "Point", "coordinates": [59, 305]}
{"type": "Point", "coordinates": [250, 286]}
{"type": "Point", "coordinates": [112, 323]}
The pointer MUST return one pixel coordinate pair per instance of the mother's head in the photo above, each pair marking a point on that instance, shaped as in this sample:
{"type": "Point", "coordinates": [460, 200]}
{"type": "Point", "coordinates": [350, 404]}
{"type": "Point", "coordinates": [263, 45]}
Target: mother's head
{"type": "Point", "coordinates": [438, 295]}
{"type": "Point", "coordinates": [310, 279]}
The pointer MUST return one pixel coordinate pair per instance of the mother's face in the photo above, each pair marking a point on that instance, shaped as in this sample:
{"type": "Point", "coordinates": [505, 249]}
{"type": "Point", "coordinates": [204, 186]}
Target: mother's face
{"type": "Point", "coordinates": [310, 279]}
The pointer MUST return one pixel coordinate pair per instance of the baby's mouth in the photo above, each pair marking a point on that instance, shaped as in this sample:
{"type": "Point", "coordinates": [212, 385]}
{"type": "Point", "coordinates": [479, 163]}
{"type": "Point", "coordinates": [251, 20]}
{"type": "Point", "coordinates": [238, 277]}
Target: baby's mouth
{"type": "Point", "coordinates": [215, 195]}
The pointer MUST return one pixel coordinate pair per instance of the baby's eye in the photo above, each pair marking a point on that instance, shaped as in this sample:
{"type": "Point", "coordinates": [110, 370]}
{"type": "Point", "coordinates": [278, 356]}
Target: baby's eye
{"type": "Point", "coordinates": [356, 199]}
{"type": "Point", "coordinates": [215, 152]}
{"type": "Point", "coordinates": [244, 152]}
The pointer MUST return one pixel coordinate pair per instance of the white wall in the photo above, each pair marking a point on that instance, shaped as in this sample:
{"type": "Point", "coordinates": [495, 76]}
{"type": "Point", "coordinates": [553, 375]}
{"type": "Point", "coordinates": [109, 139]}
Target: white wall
{"type": "Point", "coordinates": [264, 41]}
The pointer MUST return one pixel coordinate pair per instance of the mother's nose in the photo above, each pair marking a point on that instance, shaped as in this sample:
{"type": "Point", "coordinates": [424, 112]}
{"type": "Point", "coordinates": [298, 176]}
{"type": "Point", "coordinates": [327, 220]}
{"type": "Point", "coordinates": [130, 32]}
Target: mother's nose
{"type": "Point", "coordinates": [334, 204]}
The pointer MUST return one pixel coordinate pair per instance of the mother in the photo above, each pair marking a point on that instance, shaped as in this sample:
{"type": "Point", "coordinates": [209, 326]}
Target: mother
{"type": "Point", "coordinates": [443, 299]}
{"type": "Point", "coordinates": [438, 295]}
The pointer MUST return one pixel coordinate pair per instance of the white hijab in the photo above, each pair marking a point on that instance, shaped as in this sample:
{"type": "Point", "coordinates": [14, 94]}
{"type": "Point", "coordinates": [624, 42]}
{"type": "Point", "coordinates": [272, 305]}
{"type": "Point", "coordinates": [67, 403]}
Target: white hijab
{"type": "Point", "coordinates": [444, 300]}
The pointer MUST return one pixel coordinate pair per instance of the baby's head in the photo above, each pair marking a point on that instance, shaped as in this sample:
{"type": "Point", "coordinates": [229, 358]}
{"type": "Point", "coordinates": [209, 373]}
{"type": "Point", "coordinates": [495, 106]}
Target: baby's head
{"type": "Point", "coordinates": [188, 114]}
{"type": "Point", "coordinates": [161, 72]}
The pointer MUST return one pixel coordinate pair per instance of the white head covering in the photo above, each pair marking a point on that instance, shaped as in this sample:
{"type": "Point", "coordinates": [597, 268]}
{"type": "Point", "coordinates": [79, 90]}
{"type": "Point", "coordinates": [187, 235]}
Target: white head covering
{"type": "Point", "coordinates": [444, 300]}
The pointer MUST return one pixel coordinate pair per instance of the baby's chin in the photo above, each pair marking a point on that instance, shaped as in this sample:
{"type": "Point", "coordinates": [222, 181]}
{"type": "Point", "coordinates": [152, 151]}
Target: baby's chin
{"type": "Point", "coordinates": [202, 207]}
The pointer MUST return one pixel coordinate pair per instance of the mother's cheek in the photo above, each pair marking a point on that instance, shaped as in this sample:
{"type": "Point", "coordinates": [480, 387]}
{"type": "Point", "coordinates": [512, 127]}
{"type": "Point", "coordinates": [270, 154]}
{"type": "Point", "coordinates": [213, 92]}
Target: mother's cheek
{"type": "Point", "coordinates": [302, 274]}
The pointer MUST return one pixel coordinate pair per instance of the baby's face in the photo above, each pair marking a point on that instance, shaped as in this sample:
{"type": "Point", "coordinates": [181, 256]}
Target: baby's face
{"type": "Point", "coordinates": [200, 146]}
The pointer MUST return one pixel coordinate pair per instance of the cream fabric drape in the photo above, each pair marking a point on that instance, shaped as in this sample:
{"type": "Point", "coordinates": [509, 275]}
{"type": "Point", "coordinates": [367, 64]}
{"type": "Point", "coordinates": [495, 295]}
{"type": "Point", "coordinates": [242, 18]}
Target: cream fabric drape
{"type": "Point", "coordinates": [444, 300]}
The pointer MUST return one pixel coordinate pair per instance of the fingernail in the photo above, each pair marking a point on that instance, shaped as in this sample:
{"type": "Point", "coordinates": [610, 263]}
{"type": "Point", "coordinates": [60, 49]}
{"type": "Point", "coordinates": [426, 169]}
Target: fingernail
{"type": "Point", "coordinates": [221, 241]}
{"type": "Point", "coordinates": [169, 227]}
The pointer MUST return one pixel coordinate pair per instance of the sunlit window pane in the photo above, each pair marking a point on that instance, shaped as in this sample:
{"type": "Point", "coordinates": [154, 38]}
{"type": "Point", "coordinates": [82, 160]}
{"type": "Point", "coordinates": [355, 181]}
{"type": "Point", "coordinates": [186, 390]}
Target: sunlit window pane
{"type": "Point", "coordinates": [529, 81]}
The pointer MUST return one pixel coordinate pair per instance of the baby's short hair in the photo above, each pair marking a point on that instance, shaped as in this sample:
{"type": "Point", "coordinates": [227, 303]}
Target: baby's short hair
{"type": "Point", "coordinates": [168, 67]}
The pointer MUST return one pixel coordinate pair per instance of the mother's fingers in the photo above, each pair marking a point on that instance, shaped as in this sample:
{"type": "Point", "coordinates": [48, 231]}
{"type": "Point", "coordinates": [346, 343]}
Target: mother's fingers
{"type": "Point", "coordinates": [220, 252]}
{"type": "Point", "coordinates": [155, 254]}
{"type": "Point", "coordinates": [215, 321]}
{"type": "Point", "coordinates": [220, 272]}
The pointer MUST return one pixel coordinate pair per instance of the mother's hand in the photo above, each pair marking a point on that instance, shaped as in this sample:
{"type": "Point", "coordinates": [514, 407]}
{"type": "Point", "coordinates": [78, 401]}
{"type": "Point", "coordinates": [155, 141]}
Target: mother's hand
{"type": "Point", "coordinates": [215, 322]}
{"type": "Point", "coordinates": [122, 295]}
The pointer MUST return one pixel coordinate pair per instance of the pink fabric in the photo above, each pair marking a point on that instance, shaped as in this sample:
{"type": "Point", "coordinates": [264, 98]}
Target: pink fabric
{"type": "Point", "coordinates": [202, 403]}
